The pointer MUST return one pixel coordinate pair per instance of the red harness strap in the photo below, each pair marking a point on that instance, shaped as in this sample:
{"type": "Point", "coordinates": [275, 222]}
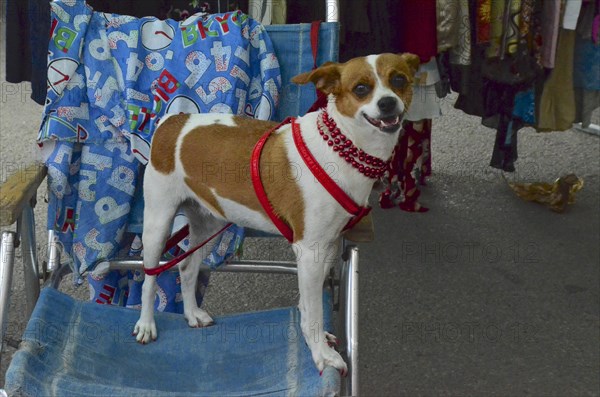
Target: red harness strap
{"type": "Point", "coordinates": [329, 184]}
{"type": "Point", "coordinates": [325, 180]}
{"type": "Point", "coordinates": [176, 238]}
{"type": "Point", "coordinates": [261, 194]}
{"type": "Point", "coordinates": [172, 242]}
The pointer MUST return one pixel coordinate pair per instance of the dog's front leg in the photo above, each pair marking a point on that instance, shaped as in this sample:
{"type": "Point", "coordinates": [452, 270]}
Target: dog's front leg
{"type": "Point", "coordinates": [153, 240]}
{"type": "Point", "coordinates": [314, 261]}
{"type": "Point", "coordinates": [158, 217]}
{"type": "Point", "coordinates": [145, 328]}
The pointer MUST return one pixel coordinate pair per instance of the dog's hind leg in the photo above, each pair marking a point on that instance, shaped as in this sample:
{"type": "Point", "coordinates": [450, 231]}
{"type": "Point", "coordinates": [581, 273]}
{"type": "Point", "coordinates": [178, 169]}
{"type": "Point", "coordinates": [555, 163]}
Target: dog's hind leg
{"type": "Point", "coordinates": [159, 210]}
{"type": "Point", "coordinates": [315, 258]}
{"type": "Point", "coordinates": [202, 226]}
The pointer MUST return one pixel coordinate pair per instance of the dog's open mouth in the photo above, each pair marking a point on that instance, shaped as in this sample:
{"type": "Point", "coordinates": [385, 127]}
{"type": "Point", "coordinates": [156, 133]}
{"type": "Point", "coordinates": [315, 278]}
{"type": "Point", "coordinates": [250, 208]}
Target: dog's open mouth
{"type": "Point", "coordinates": [387, 124]}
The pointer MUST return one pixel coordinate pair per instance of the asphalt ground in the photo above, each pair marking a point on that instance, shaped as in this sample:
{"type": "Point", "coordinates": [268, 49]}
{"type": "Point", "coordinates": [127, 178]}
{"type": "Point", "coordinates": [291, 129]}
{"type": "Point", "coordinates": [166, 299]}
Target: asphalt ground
{"type": "Point", "coordinates": [483, 295]}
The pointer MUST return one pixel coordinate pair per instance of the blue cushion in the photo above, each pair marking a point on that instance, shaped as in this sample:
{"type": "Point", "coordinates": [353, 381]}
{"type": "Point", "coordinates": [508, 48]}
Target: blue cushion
{"type": "Point", "coordinates": [75, 348]}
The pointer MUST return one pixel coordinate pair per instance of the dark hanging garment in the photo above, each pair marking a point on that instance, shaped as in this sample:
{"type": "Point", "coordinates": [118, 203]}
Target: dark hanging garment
{"type": "Point", "coordinates": [301, 11]}
{"type": "Point", "coordinates": [417, 29]}
{"type": "Point", "coordinates": [27, 36]}
{"type": "Point", "coordinates": [499, 106]}
{"type": "Point", "coordinates": [385, 22]}
{"type": "Point", "coordinates": [368, 27]}
{"type": "Point", "coordinates": [134, 8]}
{"type": "Point", "coordinates": [467, 80]}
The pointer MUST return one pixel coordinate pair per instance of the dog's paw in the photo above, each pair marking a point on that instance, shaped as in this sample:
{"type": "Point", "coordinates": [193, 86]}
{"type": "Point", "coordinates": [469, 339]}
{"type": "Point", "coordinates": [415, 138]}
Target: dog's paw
{"type": "Point", "coordinates": [326, 356]}
{"type": "Point", "coordinates": [198, 318]}
{"type": "Point", "coordinates": [145, 331]}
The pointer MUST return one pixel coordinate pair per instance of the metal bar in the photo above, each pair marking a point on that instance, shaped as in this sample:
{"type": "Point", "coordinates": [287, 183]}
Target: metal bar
{"type": "Point", "coordinates": [593, 129]}
{"type": "Point", "coordinates": [257, 267]}
{"type": "Point", "coordinates": [332, 11]}
{"type": "Point", "coordinates": [350, 273]}
{"type": "Point", "coordinates": [53, 252]}
{"type": "Point", "coordinates": [231, 267]}
{"type": "Point", "coordinates": [57, 275]}
{"type": "Point", "coordinates": [26, 228]}
{"type": "Point", "coordinates": [7, 263]}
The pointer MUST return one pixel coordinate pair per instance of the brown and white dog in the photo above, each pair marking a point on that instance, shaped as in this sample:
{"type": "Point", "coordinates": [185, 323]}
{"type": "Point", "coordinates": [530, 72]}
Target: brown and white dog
{"type": "Point", "coordinates": [200, 162]}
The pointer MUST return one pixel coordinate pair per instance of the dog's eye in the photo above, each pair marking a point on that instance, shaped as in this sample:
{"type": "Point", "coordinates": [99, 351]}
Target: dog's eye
{"type": "Point", "coordinates": [362, 90]}
{"type": "Point", "coordinates": [399, 81]}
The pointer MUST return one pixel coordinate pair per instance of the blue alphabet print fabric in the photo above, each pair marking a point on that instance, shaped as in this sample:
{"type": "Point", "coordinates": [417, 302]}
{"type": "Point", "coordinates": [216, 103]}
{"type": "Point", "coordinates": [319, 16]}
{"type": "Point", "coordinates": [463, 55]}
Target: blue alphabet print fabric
{"type": "Point", "coordinates": [110, 80]}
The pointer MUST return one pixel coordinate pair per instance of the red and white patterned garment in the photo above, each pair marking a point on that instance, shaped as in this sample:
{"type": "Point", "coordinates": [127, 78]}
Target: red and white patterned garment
{"type": "Point", "coordinates": [410, 165]}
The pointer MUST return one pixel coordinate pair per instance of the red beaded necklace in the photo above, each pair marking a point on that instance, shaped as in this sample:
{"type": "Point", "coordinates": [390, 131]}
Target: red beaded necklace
{"type": "Point", "coordinates": [370, 166]}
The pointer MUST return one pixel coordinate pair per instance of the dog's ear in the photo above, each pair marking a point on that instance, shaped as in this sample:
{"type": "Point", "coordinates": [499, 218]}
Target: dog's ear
{"type": "Point", "coordinates": [326, 78]}
{"type": "Point", "coordinates": [412, 61]}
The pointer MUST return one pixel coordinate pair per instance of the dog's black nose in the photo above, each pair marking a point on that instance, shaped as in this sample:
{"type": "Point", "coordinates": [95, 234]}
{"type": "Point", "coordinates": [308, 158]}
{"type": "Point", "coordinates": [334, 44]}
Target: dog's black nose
{"type": "Point", "coordinates": [387, 104]}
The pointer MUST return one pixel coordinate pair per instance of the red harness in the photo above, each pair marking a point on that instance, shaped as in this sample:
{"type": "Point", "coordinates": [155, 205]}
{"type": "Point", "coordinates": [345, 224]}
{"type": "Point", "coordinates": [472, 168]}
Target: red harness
{"type": "Point", "coordinates": [320, 174]}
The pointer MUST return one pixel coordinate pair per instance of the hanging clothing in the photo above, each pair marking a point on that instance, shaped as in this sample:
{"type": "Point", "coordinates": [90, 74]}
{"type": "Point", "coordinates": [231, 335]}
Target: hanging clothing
{"type": "Point", "coordinates": [557, 104]}
{"type": "Point", "coordinates": [586, 74]}
{"type": "Point", "coordinates": [505, 54]}
{"type": "Point", "coordinates": [571, 14]}
{"type": "Point", "coordinates": [550, 29]}
{"type": "Point", "coordinates": [505, 153]}
{"type": "Point", "coordinates": [482, 9]}
{"type": "Point", "coordinates": [531, 29]}
{"type": "Point", "coordinates": [27, 30]}
{"type": "Point", "coordinates": [586, 101]}
{"type": "Point", "coordinates": [424, 107]}
{"type": "Point", "coordinates": [299, 12]}
{"type": "Point", "coordinates": [448, 23]}
{"type": "Point", "coordinates": [460, 54]}
{"type": "Point", "coordinates": [268, 12]}
{"type": "Point", "coordinates": [372, 30]}
{"type": "Point", "coordinates": [495, 26]}
{"type": "Point", "coordinates": [425, 102]}
{"type": "Point", "coordinates": [467, 80]}
{"type": "Point", "coordinates": [134, 8]}
{"type": "Point", "coordinates": [417, 31]}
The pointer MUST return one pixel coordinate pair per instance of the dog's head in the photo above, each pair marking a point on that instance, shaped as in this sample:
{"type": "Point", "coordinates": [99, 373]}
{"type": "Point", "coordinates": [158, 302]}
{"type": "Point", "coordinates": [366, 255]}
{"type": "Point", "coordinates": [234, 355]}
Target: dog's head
{"type": "Point", "coordinates": [375, 91]}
